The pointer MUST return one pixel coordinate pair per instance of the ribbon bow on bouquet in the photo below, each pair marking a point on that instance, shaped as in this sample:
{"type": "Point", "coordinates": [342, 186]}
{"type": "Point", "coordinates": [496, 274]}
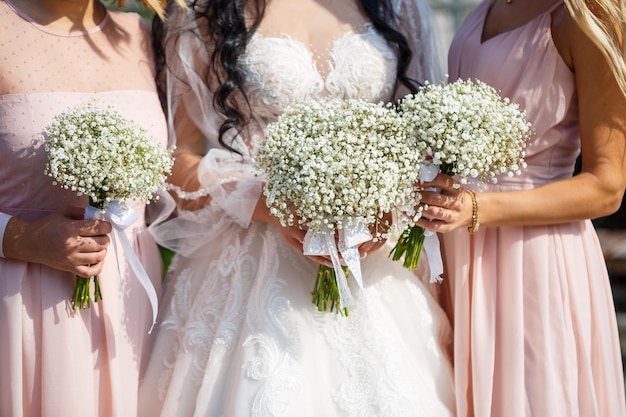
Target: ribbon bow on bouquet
{"type": "Point", "coordinates": [332, 283]}
{"type": "Point", "coordinates": [121, 216]}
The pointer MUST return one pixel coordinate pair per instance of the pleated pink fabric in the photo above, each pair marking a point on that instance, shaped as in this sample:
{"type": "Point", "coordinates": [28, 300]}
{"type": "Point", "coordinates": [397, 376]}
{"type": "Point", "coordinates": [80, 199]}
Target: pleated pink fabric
{"type": "Point", "coordinates": [55, 361]}
{"type": "Point", "coordinates": [535, 331]}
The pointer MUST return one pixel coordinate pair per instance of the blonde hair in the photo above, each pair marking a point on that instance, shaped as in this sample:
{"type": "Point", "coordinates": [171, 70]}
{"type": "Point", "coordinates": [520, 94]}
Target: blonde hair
{"type": "Point", "coordinates": [604, 22]}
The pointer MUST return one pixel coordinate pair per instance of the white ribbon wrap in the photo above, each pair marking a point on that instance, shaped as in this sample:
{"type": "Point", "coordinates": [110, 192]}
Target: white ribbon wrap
{"type": "Point", "coordinates": [322, 243]}
{"type": "Point", "coordinates": [121, 217]}
{"type": "Point", "coordinates": [431, 246]}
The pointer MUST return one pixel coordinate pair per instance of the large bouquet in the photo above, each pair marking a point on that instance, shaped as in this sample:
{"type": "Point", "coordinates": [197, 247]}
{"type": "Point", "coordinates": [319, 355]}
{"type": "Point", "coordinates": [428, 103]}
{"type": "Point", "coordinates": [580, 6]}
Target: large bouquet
{"type": "Point", "coordinates": [466, 129]}
{"type": "Point", "coordinates": [99, 153]}
{"type": "Point", "coordinates": [338, 167]}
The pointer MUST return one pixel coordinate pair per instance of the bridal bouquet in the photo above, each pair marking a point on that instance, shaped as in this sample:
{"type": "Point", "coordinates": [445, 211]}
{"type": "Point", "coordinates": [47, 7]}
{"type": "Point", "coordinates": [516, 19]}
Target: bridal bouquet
{"type": "Point", "coordinates": [337, 167]}
{"type": "Point", "coordinates": [99, 153]}
{"type": "Point", "coordinates": [467, 129]}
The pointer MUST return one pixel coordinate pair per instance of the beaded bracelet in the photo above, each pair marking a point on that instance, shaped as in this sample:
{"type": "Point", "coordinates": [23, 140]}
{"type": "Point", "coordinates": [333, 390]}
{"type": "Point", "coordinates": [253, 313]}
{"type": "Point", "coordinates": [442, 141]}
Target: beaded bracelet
{"type": "Point", "coordinates": [475, 212]}
{"type": "Point", "coordinates": [186, 195]}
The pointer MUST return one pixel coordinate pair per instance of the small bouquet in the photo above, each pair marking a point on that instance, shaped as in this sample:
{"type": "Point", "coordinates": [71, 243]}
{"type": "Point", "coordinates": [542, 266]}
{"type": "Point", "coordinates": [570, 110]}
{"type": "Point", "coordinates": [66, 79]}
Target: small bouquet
{"type": "Point", "coordinates": [466, 129]}
{"type": "Point", "coordinates": [99, 153]}
{"type": "Point", "coordinates": [338, 166]}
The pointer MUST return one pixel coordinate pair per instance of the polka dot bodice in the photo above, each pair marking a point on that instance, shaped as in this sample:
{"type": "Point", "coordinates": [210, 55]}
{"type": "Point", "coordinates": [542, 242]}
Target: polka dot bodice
{"type": "Point", "coordinates": [43, 73]}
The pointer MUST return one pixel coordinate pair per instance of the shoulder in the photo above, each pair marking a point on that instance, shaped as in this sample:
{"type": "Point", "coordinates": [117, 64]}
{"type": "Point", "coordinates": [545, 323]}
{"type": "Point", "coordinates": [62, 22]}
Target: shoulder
{"type": "Point", "coordinates": [131, 29]}
{"type": "Point", "coordinates": [569, 38]}
{"type": "Point", "coordinates": [130, 21]}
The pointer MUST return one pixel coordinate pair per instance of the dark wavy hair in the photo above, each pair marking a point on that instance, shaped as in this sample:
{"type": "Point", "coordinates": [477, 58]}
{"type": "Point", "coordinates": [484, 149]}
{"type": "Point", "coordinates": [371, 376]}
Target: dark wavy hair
{"type": "Point", "coordinates": [226, 39]}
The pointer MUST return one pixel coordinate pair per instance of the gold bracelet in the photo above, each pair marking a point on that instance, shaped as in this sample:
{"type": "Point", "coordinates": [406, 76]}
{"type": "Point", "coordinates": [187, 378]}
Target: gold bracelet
{"type": "Point", "coordinates": [475, 212]}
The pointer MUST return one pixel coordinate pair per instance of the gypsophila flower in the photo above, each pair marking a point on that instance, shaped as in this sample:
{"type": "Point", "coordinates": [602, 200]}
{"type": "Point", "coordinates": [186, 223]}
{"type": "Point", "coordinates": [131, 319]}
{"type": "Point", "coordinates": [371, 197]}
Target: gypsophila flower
{"type": "Point", "coordinates": [335, 163]}
{"type": "Point", "coordinates": [336, 159]}
{"type": "Point", "coordinates": [99, 153]}
{"type": "Point", "coordinates": [468, 129]}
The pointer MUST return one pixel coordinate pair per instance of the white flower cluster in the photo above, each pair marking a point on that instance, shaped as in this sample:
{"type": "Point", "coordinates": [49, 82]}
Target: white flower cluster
{"type": "Point", "coordinates": [468, 129]}
{"type": "Point", "coordinates": [99, 153]}
{"type": "Point", "coordinates": [330, 162]}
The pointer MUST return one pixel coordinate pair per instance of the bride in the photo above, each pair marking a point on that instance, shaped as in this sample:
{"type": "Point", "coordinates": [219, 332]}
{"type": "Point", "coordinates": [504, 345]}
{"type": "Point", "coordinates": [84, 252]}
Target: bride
{"type": "Point", "coordinates": [238, 334]}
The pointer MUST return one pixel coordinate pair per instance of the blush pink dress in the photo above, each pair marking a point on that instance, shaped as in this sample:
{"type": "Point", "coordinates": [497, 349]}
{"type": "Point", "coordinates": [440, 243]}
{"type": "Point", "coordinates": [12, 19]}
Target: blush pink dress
{"type": "Point", "coordinates": [55, 361]}
{"type": "Point", "coordinates": [535, 331]}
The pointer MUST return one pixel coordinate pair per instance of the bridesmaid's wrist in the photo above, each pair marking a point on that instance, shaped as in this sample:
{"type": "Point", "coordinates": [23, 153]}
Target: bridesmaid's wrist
{"type": "Point", "coordinates": [475, 217]}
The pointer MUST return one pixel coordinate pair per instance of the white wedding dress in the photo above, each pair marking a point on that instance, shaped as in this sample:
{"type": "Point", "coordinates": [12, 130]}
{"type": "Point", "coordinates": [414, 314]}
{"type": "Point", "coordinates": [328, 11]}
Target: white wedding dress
{"type": "Point", "coordinates": [238, 334]}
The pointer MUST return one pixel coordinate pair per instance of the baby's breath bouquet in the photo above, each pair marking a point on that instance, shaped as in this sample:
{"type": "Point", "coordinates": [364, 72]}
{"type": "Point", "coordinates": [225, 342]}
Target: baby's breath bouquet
{"type": "Point", "coordinates": [466, 129]}
{"type": "Point", "coordinates": [335, 168]}
{"type": "Point", "coordinates": [99, 153]}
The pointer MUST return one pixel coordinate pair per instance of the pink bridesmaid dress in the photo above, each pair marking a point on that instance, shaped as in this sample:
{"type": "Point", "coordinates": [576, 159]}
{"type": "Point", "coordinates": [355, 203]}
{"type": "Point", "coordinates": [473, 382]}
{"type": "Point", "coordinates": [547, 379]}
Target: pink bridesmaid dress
{"type": "Point", "coordinates": [55, 361]}
{"type": "Point", "coordinates": [535, 331]}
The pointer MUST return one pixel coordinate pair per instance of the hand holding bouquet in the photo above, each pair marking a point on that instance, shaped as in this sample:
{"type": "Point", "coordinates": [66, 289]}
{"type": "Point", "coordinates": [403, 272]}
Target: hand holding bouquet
{"type": "Point", "coordinates": [342, 164]}
{"type": "Point", "coordinates": [100, 154]}
{"type": "Point", "coordinates": [466, 129]}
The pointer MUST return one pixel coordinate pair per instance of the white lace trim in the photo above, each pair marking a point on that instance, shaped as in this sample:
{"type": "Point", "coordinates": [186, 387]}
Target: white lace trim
{"type": "Point", "coordinates": [282, 71]}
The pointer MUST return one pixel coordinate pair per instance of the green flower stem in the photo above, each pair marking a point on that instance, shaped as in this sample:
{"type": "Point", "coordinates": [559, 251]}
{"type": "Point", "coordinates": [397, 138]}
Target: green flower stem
{"type": "Point", "coordinates": [410, 246]}
{"type": "Point", "coordinates": [81, 297]}
{"type": "Point", "coordinates": [97, 295]}
{"type": "Point", "coordinates": [326, 293]}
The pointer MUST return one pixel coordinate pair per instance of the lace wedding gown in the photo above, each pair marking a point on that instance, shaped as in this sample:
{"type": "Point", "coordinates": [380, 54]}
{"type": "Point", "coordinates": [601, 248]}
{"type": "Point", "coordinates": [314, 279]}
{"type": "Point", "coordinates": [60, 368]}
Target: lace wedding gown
{"type": "Point", "coordinates": [238, 334]}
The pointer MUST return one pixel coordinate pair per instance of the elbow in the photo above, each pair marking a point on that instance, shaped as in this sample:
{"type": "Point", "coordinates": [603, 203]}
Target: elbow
{"type": "Point", "coordinates": [611, 204]}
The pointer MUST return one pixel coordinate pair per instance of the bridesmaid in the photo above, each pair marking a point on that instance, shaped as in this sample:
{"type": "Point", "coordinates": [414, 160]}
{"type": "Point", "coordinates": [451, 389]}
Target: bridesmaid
{"type": "Point", "coordinates": [534, 323]}
{"type": "Point", "coordinates": [54, 361]}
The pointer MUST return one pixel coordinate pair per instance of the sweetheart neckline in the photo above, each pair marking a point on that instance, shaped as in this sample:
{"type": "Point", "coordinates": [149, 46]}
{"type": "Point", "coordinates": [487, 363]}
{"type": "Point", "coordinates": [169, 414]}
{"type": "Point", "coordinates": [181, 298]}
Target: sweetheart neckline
{"type": "Point", "coordinates": [331, 61]}
{"type": "Point", "coordinates": [368, 30]}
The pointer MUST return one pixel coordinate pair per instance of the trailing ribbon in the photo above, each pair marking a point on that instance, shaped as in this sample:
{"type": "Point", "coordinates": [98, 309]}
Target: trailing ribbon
{"type": "Point", "coordinates": [121, 217]}
{"type": "Point", "coordinates": [431, 242]}
{"type": "Point", "coordinates": [322, 243]}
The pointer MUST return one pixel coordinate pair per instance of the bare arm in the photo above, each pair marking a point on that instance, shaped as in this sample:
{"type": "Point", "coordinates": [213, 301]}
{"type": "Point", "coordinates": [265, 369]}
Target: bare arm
{"type": "Point", "coordinates": [597, 191]}
{"type": "Point", "coordinates": [60, 242]}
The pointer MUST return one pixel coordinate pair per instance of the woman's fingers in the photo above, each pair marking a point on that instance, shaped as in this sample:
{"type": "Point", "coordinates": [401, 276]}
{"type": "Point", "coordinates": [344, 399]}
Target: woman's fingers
{"type": "Point", "coordinates": [294, 237]}
{"type": "Point", "coordinates": [444, 182]}
{"type": "Point", "coordinates": [86, 243]}
{"type": "Point", "coordinates": [444, 213]}
{"type": "Point", "coordinates": [442, 204]}
{"type": "Point", "coordinates": [59, 242]}
{"type": "Point", "coordinates": [91, 264]}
